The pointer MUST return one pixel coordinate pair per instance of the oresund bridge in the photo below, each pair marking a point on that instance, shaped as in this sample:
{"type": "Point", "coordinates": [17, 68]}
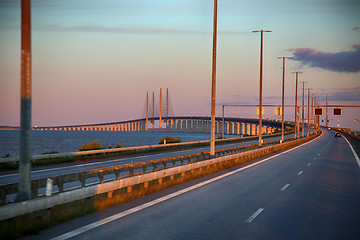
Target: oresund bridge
{"type": "Point", "coordinates": [196, 124]}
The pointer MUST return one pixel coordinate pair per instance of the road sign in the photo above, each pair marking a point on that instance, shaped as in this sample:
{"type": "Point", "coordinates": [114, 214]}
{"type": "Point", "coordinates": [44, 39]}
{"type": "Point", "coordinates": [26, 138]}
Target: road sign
{"type": "Point", "coordinates": [277, 111]}
{"type": "Point", "coordinates": [337, 112]}
{"type": "Point", "coordinates": [257, 111]}
{"type": "Point", "coordinates": [318, 111]}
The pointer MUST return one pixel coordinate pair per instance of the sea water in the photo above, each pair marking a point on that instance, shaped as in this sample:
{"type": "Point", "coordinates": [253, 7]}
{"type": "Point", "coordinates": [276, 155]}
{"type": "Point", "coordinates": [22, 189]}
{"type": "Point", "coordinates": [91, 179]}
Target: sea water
{"type": "Point", "coordinates": [71, 141]}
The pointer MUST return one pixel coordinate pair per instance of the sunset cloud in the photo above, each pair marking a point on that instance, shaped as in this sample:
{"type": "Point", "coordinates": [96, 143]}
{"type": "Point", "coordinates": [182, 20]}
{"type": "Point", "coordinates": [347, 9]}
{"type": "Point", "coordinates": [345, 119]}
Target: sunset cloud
{"type": "Point", "coordinates": [346, 61]}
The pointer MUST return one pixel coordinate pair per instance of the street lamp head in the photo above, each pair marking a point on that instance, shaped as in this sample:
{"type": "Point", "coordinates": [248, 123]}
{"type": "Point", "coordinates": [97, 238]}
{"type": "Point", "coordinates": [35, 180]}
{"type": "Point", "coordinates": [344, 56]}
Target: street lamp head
{"type": "Point", "coordinates": [261, 31]}
{"type": "Point", "coordinates": [283, 57]}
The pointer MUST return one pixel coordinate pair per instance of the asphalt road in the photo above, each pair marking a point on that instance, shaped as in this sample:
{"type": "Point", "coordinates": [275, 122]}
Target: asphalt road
{"type": "Point", "coordinates": [310, 192]}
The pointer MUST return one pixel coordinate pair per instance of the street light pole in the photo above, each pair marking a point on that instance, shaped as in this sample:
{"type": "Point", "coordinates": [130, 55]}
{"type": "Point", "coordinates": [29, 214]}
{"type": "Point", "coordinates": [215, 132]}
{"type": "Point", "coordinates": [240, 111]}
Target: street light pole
{"type": "Point", "coordinates": [303, 108]}
{"type": "Point", "coordinates": [24, 189]}
{"type": "Point", "coordinates": [308, 114]}
{"type": "Point", "coordinates": [282, 97]}
{"type": "Point", "coordinates": [213, 84]}
{"type": "Point", "coordinates": [296, 134]}
{"type": "Point", "coordinates": [223, 121]}
{"type": "Point", "coordinates": [260, 90]}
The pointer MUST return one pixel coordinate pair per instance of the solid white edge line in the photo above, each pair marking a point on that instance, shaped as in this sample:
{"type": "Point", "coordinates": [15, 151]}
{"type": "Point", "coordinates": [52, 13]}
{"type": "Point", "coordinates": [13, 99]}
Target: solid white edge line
{"type": "Point", "coordinates": [285, 187]}
{"type": "Point", "coordinates": [353, 151]}
{"type": "Point", "coordinates": [250, 219]}
{"type": "Point", "coordinates": [162, 199]}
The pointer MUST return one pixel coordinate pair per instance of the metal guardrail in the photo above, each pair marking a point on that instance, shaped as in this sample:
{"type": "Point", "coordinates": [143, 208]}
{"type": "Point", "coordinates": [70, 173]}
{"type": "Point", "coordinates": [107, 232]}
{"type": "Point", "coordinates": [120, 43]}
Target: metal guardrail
{"type": "Point", "coordinates": [18, 209]}
{"type": "Point", "coordinates": [99, 176]}
{"type": "Point", "coordinates": [130, 149]}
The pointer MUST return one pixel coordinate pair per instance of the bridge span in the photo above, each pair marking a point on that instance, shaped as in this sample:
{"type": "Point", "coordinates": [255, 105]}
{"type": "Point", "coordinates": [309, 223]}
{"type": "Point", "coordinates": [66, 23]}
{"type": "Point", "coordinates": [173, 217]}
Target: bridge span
{"type": "Point", "coordinates": [199, 124]}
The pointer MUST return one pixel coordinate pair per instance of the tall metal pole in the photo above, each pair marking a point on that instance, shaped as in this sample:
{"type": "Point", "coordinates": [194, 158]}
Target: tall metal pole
{"type": "Point", "coordinates": [260, 89]}
{"type": "Point", "coordinates": [160, 118]}
{"type": "Point", "coordinates": [153, 110]}
{"type": "Point", "coordinates": [282, 99]}
{"type": "Point", "coordinates": [223, 121]}
{"type": "Point", "coordinates": [327, 114]}
{"type": "Point", "coordinates": [303, 109]}
{"type": "Point", "coordinates": [24, 189]}
{"type": "Point", "coordinates": [308, 113]}
{"type": "Point", "coordinates": [296, 134]}
{"type": "Point", "coordinates": [213, 84]}
{"type": "Point", "coordinates": [147, 112]}
{"type": "Point", "coordinates": [312, 112]}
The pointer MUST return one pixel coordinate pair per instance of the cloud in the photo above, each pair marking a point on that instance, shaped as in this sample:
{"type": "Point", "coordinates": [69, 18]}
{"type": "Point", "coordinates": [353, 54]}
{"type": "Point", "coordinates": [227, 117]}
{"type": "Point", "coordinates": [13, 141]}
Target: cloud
{"type": "Point", "coordinates": [346, 61]}
{"type": "Point", "coordinates": [356, 29]}
{"type": "Point", "coordinates": [346, 94]}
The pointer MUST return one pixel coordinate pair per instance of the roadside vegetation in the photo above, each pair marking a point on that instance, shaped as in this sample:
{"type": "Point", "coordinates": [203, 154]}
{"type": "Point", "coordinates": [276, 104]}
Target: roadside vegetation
{"type": "Point", "coordinates": [94, 145]}
{"type": "Point", "coordinates": [169, 139]}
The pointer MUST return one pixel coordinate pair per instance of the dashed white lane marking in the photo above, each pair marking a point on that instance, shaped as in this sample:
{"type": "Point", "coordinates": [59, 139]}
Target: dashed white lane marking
{"type": "Point", "coordinates": [353, 151]}
{"type": "Point", "coordinates": [319, 154]}
{"type": "Point", "coordinates": [309, 163]}
{"type": "Point", "coordinates": [285, 187]}
{"type": "Point", "coordinates": [250, 219]}
{"type": "Point", "coordinates": [314, 158]}
{"type": "Point", "coordinates": [162, 199]}
{"type": "Point", "coordinates": [300, 172]}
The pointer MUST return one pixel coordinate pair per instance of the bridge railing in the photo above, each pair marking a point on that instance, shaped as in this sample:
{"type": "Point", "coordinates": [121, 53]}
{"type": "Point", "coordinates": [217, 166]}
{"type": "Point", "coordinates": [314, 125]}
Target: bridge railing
{"type": "Point", "coordinates": [72, 181]}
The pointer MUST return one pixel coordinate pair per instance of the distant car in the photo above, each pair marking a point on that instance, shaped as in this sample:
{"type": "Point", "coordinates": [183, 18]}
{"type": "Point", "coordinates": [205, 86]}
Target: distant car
{"type": "Point", "coordinates": [337, 134]}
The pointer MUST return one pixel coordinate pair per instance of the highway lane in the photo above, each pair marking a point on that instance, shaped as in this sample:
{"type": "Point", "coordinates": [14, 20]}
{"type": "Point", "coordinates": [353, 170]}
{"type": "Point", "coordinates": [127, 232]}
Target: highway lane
{"type": "Point", "coordinates": [311, 192]}
{"type": "Point", "coordinates": [91, 165]}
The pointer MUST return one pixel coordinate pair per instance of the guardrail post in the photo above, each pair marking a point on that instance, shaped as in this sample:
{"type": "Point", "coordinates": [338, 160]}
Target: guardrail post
{"type": "Point", "coordinates": [117, 173]}
{"type": "Point", "coordinates": [2, 197]}
{"type": "Point", "coordinates": [101, 176]}
{"type": "Point", "coordinates": [34, 188]}
{"type": "Point", "coordinates": [143, 166]}
{"type": "Point", "coordinates": [131, 170]}
{"type": "Point", "coordinates": [48, 187]}
{"type": "Point", "coordinates": [60, 183]}
{"type": "Point", "coordinates": [155, 166]}
{"type": "Point", "coordinates": [82, 179]}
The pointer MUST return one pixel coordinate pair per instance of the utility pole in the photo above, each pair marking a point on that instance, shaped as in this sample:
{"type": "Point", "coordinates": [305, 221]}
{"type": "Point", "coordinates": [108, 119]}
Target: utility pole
{"type": "Point", "coordinates": [260, 88]}
{"type": "Point", "coordinates": [303, 108]}
{"type": "Point", "coordinates": [282, 98]}
{"type": "Point", "coordinates": [296, 134]}
{"type": "Point", "coordinates": [24, 189]}
{"type": "Point", "coordinates": [213, 84]}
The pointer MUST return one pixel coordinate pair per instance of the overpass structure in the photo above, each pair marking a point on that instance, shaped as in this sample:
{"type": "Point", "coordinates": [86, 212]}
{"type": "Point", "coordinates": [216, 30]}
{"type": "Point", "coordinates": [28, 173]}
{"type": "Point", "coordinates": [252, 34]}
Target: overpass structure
{"type": "Point", "coordinates": [197, 124]}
